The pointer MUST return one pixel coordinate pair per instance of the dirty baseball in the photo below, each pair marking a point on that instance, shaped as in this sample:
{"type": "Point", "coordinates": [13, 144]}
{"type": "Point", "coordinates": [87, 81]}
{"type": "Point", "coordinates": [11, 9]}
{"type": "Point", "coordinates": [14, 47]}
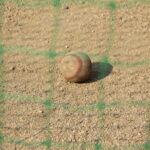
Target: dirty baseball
{"type": "Point", "coordinates": [76, 67]}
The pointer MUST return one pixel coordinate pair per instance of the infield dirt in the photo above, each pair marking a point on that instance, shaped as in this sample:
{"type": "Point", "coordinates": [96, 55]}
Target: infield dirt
{"type": "Point", "coordinates": [82, 28]}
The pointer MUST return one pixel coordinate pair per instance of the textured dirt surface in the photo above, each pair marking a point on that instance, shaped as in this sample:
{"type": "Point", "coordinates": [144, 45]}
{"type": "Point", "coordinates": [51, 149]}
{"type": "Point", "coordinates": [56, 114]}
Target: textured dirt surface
{"type": "Point", "coordinates": [31, 79]}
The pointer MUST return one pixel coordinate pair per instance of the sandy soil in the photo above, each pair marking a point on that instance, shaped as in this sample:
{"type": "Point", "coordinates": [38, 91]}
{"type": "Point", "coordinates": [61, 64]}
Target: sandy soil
{"type": "Point", "coordinates": [31, 79]}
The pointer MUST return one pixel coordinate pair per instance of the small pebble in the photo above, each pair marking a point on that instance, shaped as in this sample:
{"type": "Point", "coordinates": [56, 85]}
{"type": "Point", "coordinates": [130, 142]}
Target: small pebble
{"type": "Point", "coordinates": [13, 68]}
{"type": "Point", "coordinates": [66, 46]}
{"type": "Point", "coordinates": [66, 7]}
{"type": "Point", "coordinates": [41, 111]}
{"type": "Point", "coordinates": [23, 70]}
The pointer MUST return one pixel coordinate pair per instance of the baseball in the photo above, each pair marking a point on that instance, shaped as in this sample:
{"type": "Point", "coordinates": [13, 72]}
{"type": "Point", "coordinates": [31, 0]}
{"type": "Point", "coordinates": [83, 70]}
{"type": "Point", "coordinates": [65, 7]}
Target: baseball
{"type": "Point", "coordinates": [76, 67]}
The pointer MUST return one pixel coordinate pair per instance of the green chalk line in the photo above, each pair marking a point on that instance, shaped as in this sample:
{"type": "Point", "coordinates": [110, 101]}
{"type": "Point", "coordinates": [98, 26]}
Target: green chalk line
{"type": "Point", "coordinates": [16, 141]}
{"type": "Point", "coordinates": [32, 52]}
{"type": "Point", "coordinates": [147, 146]}
{"type": "Point", "coordinates": [97, 146]}
{"type": "Point", "coordinates": [83, 107]}
{"type": "Point", "coordinates": [131, 64]}
{"type": "Point", "coordinates": [1, 139]}
{"type": "Point", "coordinates": [55, 3]}
{"type": "Point", "coordinates": [33, 4]}
{"type": "Point", "coordinates": [22, 98]}
{"type": "Point", "coordinates": [53, 144]}
{"type": "Point", "coordinates": [56, 24]}
{"type": "Point", "coordinates": [53, 54]}
{"type": "Point", "coordinates": [1, 76]}
{"type": "Point", "coordinates": [97, 3]}
{"type": "Point", "coordinates": [105, 59]}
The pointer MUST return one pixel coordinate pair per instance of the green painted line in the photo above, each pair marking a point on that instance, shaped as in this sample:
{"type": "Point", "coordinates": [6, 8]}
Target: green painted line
{"type": "Point", "coordinates": [104, 65]}
{"type": "Point", "coordinates": [23, 142]}
{"type": "Point", "coordinates": [131, 4]}
{"type": "Point", "coordinates": [1, 50]}
{"type": "Point", "coordinates": [55, 3]}
{"type": "Point", "coordinates": [47, 143]}
{"type": "Point", "coordinates": [32, 52]}
{"type": "Point", "coordinates": [96, 3]}
{"type": "Point", "coordinates": [52, 144]}
{"type": "Point", "coordinates": [101, 106]}
{"type": "Point", "coordinates": [32, 4]}
{"type": "Point", "coordinates": [111, 32]}
{"type": "Point", "coordinates": [13, 140]}
{"type": "Point", "coordinates": [2, 2]}
{"type": "Point", "coordinates": [52, 54]}
{"type": "Point", "coordinates": [146, 146]}
{"type": "Point", "coordinates": [48, 104]}
{"type": "Point", "coordinates": [1, 139]}
{"type": "Point", "coordinates": [22, 97]}
{"type": "Point", "coordinates": [112, 5]}
{"type": "Point", "coordinates": [97, 146]}
{"type": "Point", "coordinates": [131, 64]}
{"type": "Point", "coordinates": [2, 97]}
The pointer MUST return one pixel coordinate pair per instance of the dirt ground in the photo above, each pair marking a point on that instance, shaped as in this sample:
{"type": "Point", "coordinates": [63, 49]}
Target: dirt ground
{"type": "Point", "coordinates": [31, 79]}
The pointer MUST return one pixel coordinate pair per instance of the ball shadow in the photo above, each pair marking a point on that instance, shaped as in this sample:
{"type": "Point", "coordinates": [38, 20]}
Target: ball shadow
{"type": "Point", "coordinates": [100, 70]}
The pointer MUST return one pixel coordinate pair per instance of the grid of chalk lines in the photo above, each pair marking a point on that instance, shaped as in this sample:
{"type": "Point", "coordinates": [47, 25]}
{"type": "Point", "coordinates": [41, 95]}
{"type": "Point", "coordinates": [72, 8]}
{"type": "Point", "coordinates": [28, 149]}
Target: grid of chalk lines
{"type": "Point", "coordinates": [47, 143]}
